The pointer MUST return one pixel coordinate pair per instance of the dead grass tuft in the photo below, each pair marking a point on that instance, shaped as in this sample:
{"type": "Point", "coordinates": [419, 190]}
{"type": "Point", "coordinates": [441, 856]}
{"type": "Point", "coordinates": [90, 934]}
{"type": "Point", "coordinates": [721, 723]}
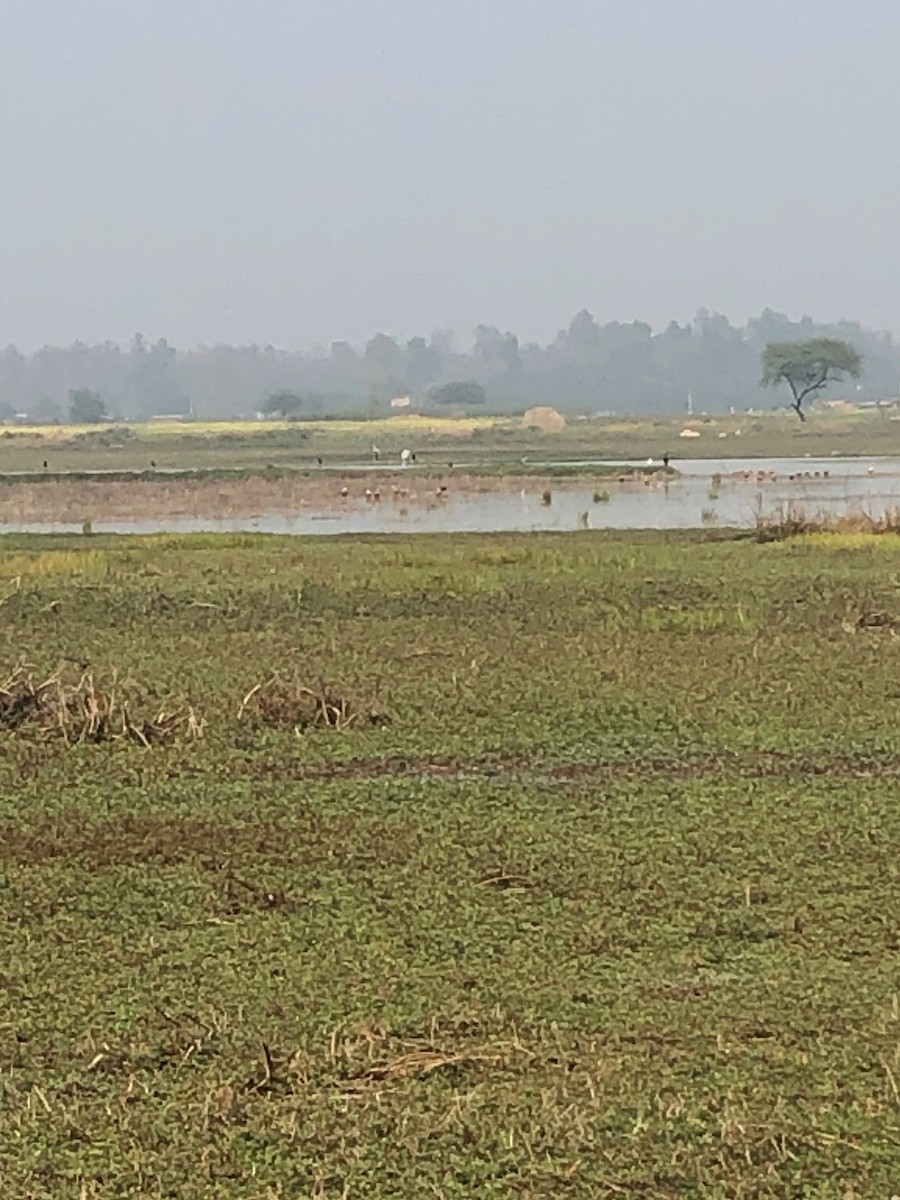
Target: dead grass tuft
{"type": "Point", "coordinates": [281, 704]}
{"type": "Point", "coordinates": [371, 1054]}
{"type": "Point", "coordinates": [795, 521]}
{"type": "Point", "coordinates": [419, 1062]}
{"type": "Point", "coordinates": [84, 709]}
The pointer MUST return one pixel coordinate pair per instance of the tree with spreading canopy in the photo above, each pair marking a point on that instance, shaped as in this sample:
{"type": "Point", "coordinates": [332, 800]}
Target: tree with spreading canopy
{"type": "Point", "coordinates": [806, 367]}
{"type": "Point", "coordinates": [283, 404]}
{"type": "Point", "coordinates": [86, 407]}
{"type": "Point", "coordinates": [462, 393]}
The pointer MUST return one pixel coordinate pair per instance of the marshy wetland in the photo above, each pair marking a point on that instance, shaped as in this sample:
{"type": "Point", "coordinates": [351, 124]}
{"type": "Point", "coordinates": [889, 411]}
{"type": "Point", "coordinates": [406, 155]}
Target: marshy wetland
{"type": "Point", "coordinates": [534, 866]}
{"type": "Point", "coordinates": [521, 497]}
{"type": "Point", "coordinates": [474, 474]}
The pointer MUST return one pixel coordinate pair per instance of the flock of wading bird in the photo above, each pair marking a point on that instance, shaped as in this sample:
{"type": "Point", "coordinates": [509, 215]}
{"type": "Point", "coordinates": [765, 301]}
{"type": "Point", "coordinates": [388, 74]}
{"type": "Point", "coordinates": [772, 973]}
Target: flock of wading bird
{"type": "Point", "coordinates": [373, 495]}
{"type": "Point", "coordinates": [397, 493]}
{"type": "Point", "coordinates": [772, 476]}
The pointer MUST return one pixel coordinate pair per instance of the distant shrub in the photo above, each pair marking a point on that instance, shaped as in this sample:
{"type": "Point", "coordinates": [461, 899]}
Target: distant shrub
{"type": "Point", "coordinates": [86, 407]}
{"type": "Point", "coordinates": [461, 393]}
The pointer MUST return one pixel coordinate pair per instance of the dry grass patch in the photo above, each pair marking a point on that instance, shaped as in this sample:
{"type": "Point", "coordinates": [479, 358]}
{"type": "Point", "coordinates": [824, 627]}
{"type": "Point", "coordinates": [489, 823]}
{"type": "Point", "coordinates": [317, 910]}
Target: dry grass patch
{"type": "Point", "coordinates": [371, 1054]}
{"type": "Point", "coordinates": [85, 709]}
{"type": "Point", "coordinates": [795, 521]}
{"type": "Point", "coordinates": [284, 704]}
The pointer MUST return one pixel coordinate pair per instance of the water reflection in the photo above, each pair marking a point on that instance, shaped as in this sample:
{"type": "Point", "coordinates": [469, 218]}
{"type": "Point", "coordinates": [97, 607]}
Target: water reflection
{"type": "Point", "coordinates": [693, 500]}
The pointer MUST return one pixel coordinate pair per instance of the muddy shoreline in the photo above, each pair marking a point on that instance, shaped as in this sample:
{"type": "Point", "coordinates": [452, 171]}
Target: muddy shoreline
{"type": "Point", "coordinates": [61, 500]}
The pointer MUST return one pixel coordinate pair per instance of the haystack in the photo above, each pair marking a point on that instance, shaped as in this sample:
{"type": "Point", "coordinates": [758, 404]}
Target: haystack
{"type": "Point", "coordinates": [545, 418]}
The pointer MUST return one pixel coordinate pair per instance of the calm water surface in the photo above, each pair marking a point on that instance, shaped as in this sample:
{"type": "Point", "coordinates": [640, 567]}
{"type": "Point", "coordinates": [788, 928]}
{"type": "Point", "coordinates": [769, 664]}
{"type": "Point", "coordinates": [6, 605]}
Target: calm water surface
{"type": "Point", "coordinates": [871, 484]}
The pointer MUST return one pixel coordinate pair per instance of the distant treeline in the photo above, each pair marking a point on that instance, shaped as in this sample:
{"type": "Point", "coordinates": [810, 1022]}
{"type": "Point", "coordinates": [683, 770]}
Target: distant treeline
{"type": "Point", "coordinates": [587, 368]}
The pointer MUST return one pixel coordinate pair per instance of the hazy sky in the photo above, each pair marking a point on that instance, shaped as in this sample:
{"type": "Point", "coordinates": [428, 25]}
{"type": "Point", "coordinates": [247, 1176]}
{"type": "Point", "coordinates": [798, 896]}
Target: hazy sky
{"type": "Point", "coordinates": [297, 171]}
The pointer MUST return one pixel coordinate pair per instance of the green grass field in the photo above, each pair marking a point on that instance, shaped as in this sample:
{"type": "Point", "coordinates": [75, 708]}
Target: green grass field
{"type": "Point", "coordinates": [482, 441]}
{"type": "Point", "coordinates": [582, 884]}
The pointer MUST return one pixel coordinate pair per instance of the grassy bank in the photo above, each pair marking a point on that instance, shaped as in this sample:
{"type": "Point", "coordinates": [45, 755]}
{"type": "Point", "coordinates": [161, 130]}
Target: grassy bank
{"type": "Point", "coordinates": [504, 866]}
{"type": "Point", "coordinates": [485, 441]}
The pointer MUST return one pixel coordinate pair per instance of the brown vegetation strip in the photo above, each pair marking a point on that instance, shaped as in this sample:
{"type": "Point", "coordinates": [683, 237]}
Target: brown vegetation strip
{"type": "Point", "coordinates": [170, 840]}
{"type": "Point", "coordinates": [165, 839]}
{"type": "Point", "coordinates": [220, 848]}
{"type": "Point", "coordinates": [759, 765]}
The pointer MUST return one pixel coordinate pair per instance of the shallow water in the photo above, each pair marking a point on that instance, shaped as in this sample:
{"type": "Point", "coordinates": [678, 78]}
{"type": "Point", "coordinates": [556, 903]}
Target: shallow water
{"type": "Point", "coordinates": [838, 467]}
{"type": "Point", "coordinates": [872, 485]}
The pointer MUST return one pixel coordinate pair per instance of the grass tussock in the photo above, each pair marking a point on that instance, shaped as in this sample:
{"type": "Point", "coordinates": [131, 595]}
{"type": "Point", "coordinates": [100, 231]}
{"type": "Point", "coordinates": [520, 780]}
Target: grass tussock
{"type": "Point", "coordinates": [795, 521]}
{"type": "Point", "coordinates": [85, 709]}
{"type": "Point", "coordinates": [283, 704]}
